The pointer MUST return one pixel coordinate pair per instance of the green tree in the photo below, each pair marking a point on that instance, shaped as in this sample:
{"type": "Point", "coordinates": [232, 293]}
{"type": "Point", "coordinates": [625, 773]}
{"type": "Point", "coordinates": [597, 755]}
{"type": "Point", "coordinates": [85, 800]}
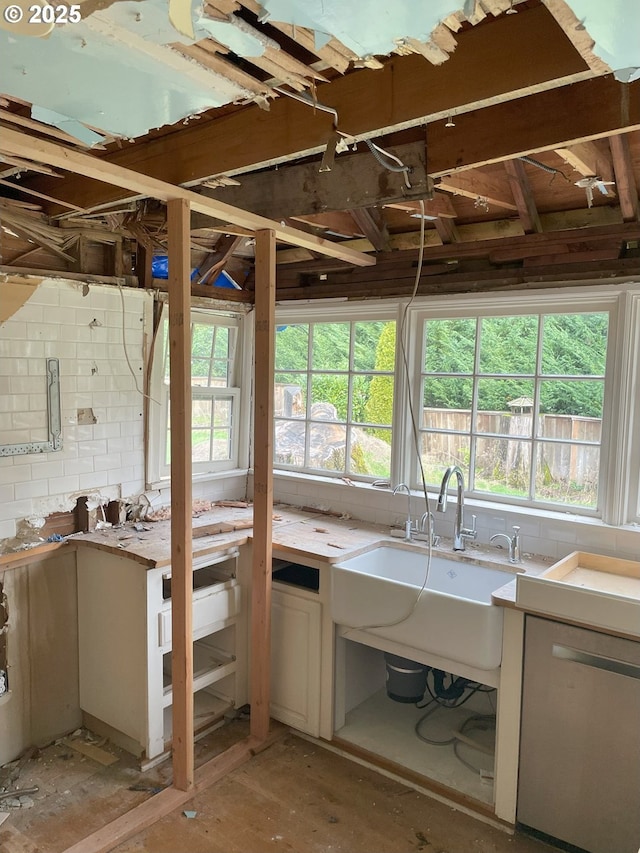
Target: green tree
{"type": "Point", "coordinates": [379, 406]}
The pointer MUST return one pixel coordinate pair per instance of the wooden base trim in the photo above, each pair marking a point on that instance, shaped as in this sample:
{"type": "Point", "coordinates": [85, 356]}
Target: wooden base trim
{"type": "Point", "coordinates": [418, 779]}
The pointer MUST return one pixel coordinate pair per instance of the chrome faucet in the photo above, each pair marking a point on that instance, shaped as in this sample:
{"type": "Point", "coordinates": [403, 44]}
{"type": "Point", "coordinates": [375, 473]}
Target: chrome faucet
{"type": "Point", "coordinates": [514, 544]}
{"type": "Point", "coordinates": [408, 525]}
{"type": "Point", "coordinates": [423, 531]}
{"type": "Point", "coordinates": [460, 532]}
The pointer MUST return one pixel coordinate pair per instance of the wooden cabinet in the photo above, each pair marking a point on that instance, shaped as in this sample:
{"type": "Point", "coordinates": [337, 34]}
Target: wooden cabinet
{"type": "Point", "coordinates": [296, 657]}
{"type": "Point", "coordinates": [124, 616]}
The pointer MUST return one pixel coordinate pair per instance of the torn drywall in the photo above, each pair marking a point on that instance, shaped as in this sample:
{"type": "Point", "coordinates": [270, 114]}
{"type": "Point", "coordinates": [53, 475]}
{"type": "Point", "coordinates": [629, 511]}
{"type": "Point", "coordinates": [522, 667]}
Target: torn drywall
{"type": "Point", "coordinates": [614, 26]}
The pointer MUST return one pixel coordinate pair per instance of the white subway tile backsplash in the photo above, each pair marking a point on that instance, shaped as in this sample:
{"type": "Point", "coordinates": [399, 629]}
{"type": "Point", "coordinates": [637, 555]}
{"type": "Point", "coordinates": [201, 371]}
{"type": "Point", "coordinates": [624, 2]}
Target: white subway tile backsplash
{"type": "Point", "coordinates": [60, 349]}
{"type": "Point", "coordinates": [7, 529]}
{"type": "Point", "coordinates": [48, 294]}
{"type": "Point", "coordinates": [13, 367]}
{"type": "Point", "coordinates": [7, 493]}
{"type": "Point", "coordinates": [106, 462]}
{"type": "Point", "coordinates": [47, 469]}
{"type": "Point", "coordinates": [32, 489]}
{"type": "Point", "coordinates": [81, 465]}
{"type": "Point", "coordinates": [29, 385]}
{"type": "Point", "coordinates": [62, 485]}
{"type": "Point", "coordinates": [14, 473]}
{"type": "Point", "coordinates": [92, 481]}
{"type": "Point", "coordinates": [97, 447]}
{"type": "Point", "coordinates": [16, 509]}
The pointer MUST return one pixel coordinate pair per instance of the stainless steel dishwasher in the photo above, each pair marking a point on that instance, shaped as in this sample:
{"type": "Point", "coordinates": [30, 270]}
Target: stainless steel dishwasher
{"type": "Point", "coordinates": [579, 778]}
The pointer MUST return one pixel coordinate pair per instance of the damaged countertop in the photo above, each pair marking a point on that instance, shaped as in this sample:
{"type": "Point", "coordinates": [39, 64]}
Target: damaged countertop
{"type": "Point", "coordinates": [297, 533]}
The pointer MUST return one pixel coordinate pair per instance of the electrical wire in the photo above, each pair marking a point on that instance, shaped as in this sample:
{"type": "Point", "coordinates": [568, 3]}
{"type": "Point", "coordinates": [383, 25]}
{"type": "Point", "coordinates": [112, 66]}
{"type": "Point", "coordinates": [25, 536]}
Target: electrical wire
{"type": "Point", "coordinates": [416, 443]}
{"type": "Point", "coordinates": [126, 352]}
{"type": "Point", "coordinates": [552, 171]}
{"type": "Point", "coordinates": [380, 154]}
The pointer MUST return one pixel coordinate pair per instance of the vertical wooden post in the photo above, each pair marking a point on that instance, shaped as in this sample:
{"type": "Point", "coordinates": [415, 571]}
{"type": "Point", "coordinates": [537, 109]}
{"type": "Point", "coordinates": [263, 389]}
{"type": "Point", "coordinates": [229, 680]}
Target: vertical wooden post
{"type": "Point", "coordinates": [265, 295]}
{"type": "Point", "coordinates": [178, 219]}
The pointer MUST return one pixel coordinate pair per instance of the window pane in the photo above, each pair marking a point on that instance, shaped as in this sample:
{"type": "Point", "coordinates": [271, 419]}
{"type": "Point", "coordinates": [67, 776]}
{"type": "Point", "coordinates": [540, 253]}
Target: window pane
{"type": "Point", "coordinates": [219, 373]}
{"type": "Point", "coordinates": [329, 397]}
{"type": "Point", "coordinates": [370, 452]}
{"type": "Point", "coordinates": [450, 346]}
{"type": "Point", "coordinates": [508, 344]}
{"type": "Point", "coordinates": [505, 406]}
{"type": "Point", "coordinates": [330, 348]}
{"type": "Point", "coordinates": [221, 444]}
{"type": "Point", "coordinates": [201, 445]}
{"type": "Point", "coordinates": [574, 344]}
{"type": "Point", "coordinates": [223, 342]}
{"type": "Point", "coordinates": [572, 397]}
{"type": "Point", "coordinates": [374, 346]}
{"type": "Point", "coordinates": [447, 403]}
{"type": "Point", "coordinates": [439, 450]}
{"type": "Point", "coordinates": [372, 400]}
{"type": "Point", "coordinates": [290, 395]}
{"type": "Point", "coordinates": [201, 413]}
{"type": "Point", "coordinates": [292, 347]}
{"type": "Point", "coordinates": [503, 466]}
{"type": "Point", "coordinates": [222, 413]}
{"type": "Point", "coordinates": [202, 340]}
{"type": "Point", "coordinates": [567, 474]}
{"type": "Point", "coordinates": [289, 443]}
{"type": "Point", "coordinates": [200, 372]}
{"type": "Point", "coordinates": [327, 446]}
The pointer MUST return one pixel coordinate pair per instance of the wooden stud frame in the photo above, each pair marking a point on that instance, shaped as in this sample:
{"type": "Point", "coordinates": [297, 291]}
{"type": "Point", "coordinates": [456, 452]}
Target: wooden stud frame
{"type": "Point", "coordinates": [180, 202]}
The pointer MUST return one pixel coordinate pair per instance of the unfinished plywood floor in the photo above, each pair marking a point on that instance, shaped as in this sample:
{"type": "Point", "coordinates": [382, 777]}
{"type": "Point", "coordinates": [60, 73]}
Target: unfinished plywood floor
{"type": "Point", "coordinates": [295, 796]}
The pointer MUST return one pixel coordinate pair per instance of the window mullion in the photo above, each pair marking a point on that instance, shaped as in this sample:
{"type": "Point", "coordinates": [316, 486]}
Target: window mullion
{"type": "Point", "coordinates": [536, 412]}
{"type": "Point", "coordinates": [474, 408]}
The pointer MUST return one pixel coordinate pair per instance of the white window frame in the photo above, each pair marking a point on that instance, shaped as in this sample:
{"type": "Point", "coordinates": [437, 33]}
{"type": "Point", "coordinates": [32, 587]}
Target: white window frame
{"type": "Point", "coordinates": [339, 313]}
{"type": "Point", "coordinates": [505, 306]}
{"type": "Point", "coordinates": [619, 476]}
{"type": "Point", "coordinates": [158, 472]}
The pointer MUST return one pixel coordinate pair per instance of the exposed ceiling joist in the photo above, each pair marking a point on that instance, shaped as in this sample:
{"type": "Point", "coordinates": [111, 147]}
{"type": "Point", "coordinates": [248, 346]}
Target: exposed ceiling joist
{"type": "Point", "coordinates": [74, 161]}
{"type": "Point", "coordinates": [491, 64]}
{"type": "Point", "coordinates": [475, 184]}
{"type": "Point", "coordinates": [625, 181]}
{"type": "Point", "coordinates": [523, 196]}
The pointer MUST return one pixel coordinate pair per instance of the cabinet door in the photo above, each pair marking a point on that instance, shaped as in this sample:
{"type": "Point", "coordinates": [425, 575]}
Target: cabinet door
{"type": "Point", "coordinates": [295, 661]}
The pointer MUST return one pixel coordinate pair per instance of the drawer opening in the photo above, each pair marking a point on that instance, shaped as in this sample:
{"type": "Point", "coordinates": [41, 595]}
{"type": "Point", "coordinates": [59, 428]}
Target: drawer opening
{"type": "Point", "coordinates": [205, 576]}
{"type": "Point", "coordinates": [294, 574]}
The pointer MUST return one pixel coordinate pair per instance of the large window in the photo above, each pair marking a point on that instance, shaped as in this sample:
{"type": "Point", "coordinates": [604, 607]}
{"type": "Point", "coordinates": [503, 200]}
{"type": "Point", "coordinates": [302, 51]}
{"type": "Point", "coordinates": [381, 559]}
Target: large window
{"type": "Point", "coordinates": [517, 402]}
{"type": "Point", "coordinates": [215, 393]}
{"type": "Point", "coordinates": [334, 388]}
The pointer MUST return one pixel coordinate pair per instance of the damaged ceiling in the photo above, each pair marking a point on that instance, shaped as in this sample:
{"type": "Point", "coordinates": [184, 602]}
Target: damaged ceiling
{"type": "Point", "coordinates": [509, 130]}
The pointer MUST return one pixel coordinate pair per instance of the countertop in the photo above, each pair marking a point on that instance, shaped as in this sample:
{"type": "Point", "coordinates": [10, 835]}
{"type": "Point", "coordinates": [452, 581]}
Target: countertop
{"type": "Point", "coordinates": [297, 533]}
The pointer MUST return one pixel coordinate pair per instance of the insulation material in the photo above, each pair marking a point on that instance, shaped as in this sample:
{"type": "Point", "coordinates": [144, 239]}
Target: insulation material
{"type": "Point", "coordinates": [69, 125]}
{"type": "Point", "coordinates": [371, 28]}
{"type": "Point", "coordinates": [615, 28]}
{"type": "Point", "coordinates": [110, 77]}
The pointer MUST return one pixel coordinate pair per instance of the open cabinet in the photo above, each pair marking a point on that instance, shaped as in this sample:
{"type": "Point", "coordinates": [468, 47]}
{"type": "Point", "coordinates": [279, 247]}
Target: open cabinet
{"type": "Point", "coordinates": [124, 615]}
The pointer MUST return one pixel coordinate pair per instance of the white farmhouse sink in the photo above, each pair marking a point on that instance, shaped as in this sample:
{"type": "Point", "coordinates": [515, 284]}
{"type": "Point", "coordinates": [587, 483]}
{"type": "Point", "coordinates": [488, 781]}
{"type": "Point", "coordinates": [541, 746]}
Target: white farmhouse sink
{"type": "Point", "coordinates": [452, 617]}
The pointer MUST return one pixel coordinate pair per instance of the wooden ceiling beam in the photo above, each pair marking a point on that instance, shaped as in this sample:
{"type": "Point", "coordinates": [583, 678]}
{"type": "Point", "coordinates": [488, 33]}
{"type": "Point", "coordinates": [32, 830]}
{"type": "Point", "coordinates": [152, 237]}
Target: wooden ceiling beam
{"type": "Point", "coordinates": [523, 197]}
{"type": "Point", "coordinates": [375, 229]}
{"type": "Point", "coordinates": [472, 281]}
{"type": "Point", "coordinates": [476, 185]}
{"type": "Point", "coordinates": [551, 121]}
{"type": "Point", "coordinates": [74, 161]}
{"type": "Point", "coordinates": [625, 180]}
{"type": "Point", "coordinates": [438, 207]}
{"type": "Point", "coordinates": [588, 159]}
{"type": "Point", "coordinates": [447, 230]}
{"type": "Point", "coordinates": [490, 64]}
{"type": "Point", "coordinates": [355, 180]}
